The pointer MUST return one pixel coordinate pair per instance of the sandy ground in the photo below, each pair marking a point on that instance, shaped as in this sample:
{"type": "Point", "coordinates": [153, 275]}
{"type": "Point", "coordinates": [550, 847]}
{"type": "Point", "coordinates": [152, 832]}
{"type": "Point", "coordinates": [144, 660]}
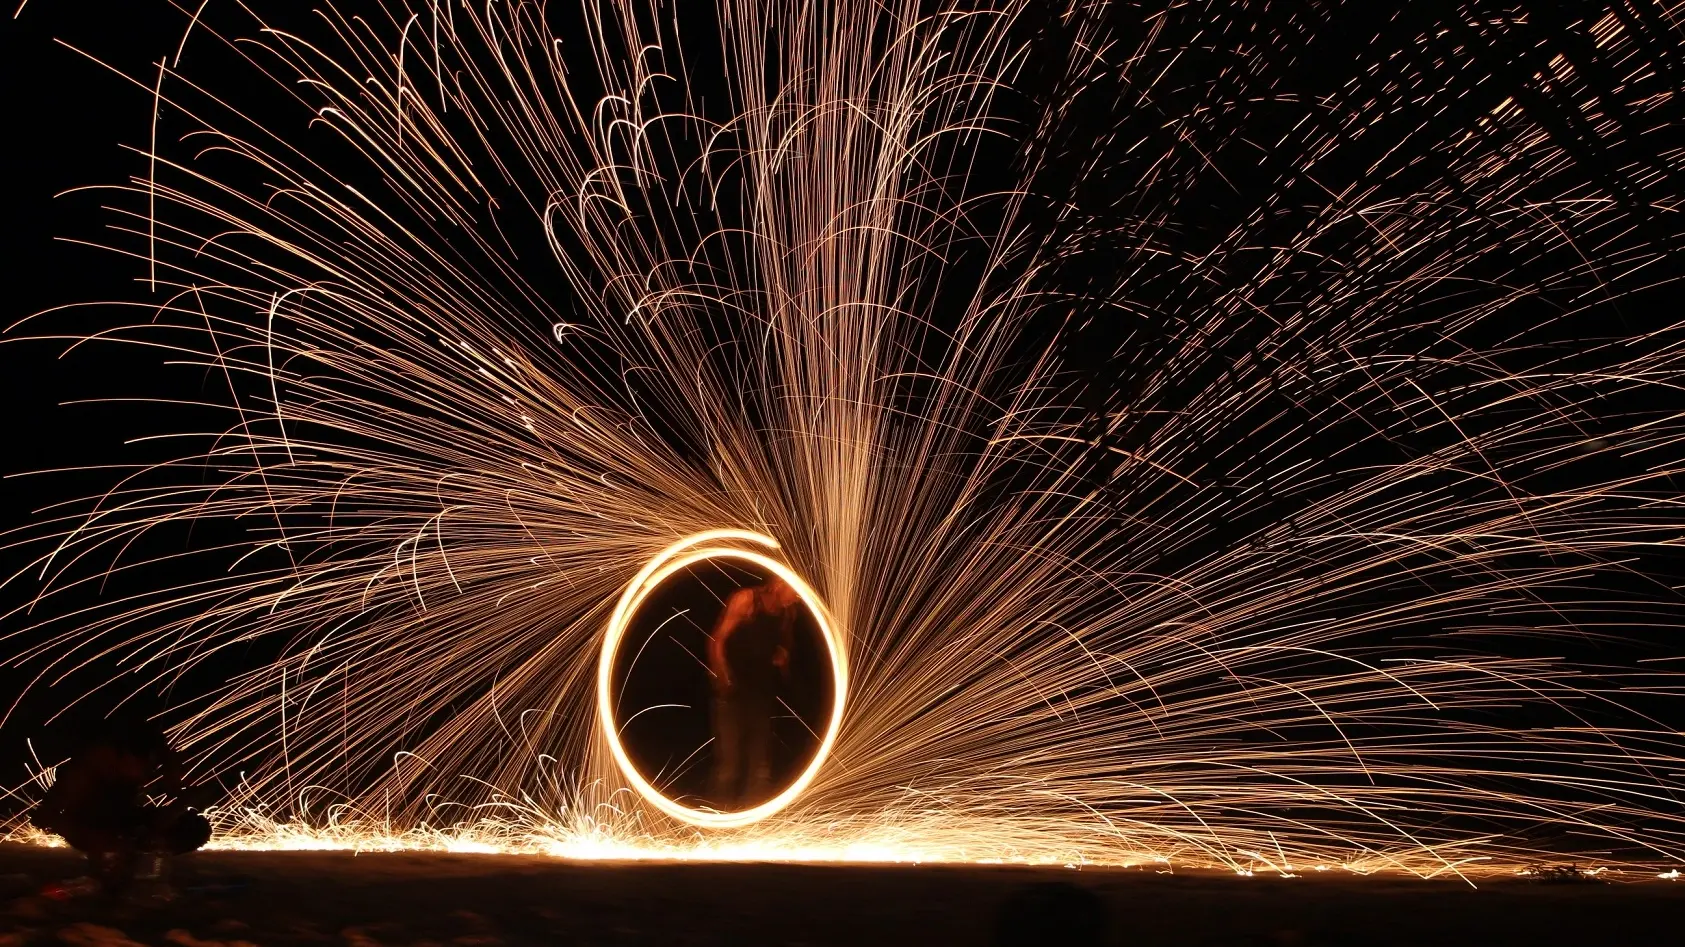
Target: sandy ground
{"type": "Point", "coordinates": [233, 899]}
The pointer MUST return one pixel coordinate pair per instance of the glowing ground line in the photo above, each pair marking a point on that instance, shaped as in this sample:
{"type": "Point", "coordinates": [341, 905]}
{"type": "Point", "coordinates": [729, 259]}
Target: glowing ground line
{"type": "Point", "coordinates": [680, 555]}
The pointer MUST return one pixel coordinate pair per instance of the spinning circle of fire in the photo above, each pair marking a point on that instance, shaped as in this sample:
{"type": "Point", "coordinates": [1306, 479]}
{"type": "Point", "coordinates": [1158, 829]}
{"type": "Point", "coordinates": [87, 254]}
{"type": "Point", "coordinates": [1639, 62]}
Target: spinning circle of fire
{"type": "Point", "coordinates": [681, 555]}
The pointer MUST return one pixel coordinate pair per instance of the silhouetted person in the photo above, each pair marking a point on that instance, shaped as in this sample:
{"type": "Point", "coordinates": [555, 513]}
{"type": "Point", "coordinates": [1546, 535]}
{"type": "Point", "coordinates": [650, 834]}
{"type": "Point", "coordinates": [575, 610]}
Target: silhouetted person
{"type": "Point", "coordinates": [749, 654]}
{"type": "Point", "coordinates": [98, 801]}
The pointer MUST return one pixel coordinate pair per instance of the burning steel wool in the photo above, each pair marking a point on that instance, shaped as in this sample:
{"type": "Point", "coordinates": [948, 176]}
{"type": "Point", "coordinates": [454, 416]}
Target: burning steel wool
{"type": "Point", "coordinates": [1174, 468]}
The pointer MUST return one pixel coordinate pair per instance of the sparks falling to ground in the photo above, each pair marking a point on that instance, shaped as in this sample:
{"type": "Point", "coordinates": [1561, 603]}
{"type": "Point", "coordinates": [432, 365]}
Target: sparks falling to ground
{"type": "Point", "coordinates": [1192, 470]}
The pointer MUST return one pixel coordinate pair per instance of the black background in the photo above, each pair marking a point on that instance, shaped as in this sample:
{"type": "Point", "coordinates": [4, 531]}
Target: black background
{"type": "Point", "coordinates": [67, 118]}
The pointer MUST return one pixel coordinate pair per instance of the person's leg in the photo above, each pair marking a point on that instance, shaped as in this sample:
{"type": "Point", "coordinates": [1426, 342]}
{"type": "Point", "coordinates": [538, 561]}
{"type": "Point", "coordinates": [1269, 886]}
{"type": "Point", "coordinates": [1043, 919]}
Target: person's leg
{"type": "Point", "coordinates": [108, 854]}
{"type": "Point", "coordinates": [108, 839]}
{"type": "Point", "coordinates": [88, 840]}
{"type": "Point", "coordinates": [722, 792]}
{"type": "Point", "coordinates": [757, 751]}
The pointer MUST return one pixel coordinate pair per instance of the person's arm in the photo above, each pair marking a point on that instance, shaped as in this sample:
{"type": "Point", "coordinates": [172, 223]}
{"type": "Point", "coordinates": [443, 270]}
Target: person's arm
{"type": "Point", "coordinates": [68, 789]}
{"type": "Point", "coordinates": [737, 608]}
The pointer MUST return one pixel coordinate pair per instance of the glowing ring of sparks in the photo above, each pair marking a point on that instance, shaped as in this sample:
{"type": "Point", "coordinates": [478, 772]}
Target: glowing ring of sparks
{"type": "Point", "coordinates": [684, 553]}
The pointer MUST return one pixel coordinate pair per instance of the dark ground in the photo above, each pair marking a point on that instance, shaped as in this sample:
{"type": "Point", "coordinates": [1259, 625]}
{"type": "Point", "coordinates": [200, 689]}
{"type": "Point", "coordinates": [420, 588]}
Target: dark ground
{"type": "Point", "coordinates": [369, 900]}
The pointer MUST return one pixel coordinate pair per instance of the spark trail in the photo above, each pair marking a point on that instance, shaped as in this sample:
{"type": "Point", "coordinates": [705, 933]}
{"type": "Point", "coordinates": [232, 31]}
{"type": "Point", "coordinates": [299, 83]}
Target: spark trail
{"type": "Point", "coordinates": [1208, 428]}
